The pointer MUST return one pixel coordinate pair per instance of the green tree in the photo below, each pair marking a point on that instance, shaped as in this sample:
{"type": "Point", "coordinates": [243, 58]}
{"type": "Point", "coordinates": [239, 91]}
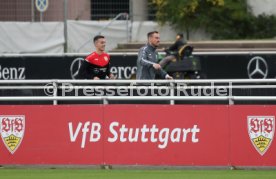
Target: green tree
{"type": "Point", "coordinates": [184, 14]}
{"type": "Point", "coordinates": [230, 21]}
{"type": "Point", "coordinates": [223, 19]}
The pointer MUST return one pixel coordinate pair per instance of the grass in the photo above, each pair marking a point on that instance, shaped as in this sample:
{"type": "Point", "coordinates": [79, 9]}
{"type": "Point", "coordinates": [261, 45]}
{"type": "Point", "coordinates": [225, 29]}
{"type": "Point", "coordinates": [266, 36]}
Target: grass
{"type": "Point", "coordinates": [134, 174]}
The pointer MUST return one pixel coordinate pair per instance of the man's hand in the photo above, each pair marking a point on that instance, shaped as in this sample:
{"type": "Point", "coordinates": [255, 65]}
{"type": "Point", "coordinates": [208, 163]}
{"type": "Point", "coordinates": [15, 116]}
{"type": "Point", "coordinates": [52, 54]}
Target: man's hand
{"type": "Point", "coordinates": [156, 66]}
{"type": "Point", "coordinates": [96, 78]}
{"type": "Point", "coordinates": [112, 77]}
{"type": "Point", "coordinates": [168, 77]}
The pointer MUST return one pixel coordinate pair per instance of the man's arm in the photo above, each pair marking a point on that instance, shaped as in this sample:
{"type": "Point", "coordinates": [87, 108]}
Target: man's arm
{"type": "Point", "coordinates": [88, 71]}
{"type": "Point", "coordinates": [109, 74]}
{"type": "Point", "coordinates": [164, 74]}
{"type": "Point", "coordinates": [173, 47]}
{"type": "Point", "coordinates": [143, 58]}
{"type": "Point", "coordinates": [92, 75]}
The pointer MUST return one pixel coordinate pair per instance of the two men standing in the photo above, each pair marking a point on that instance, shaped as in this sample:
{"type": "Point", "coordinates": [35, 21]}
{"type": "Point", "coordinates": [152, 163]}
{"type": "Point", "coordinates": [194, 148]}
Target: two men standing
{"type": "Point", "coordinates": [97, 64]}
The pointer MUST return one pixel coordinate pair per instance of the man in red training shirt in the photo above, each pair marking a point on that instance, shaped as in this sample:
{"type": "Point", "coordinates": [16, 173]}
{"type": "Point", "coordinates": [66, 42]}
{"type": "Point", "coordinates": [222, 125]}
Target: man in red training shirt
{"type": "Point", "coordinates": [97, 65]}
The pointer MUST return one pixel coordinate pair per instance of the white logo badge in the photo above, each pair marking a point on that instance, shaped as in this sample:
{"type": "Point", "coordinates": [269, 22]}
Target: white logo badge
{"type": "Point", "coordinates": [12, 131]}
{"type": "Point", "coordinates": [261, 132]}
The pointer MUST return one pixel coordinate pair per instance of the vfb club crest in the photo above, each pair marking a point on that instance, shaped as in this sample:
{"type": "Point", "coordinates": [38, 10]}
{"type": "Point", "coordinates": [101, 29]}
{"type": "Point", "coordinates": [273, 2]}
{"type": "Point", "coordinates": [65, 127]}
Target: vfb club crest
{"type": "Point", "coordinates": [261, 132]}
{"type": "Point", "coordinates": [12, 131]}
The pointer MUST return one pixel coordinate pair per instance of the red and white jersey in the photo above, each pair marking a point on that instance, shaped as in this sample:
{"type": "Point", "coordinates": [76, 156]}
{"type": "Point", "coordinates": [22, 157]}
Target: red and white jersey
{"type": "Point", "coordinates": [95, 65]}
{"type": "Point", "coordinates": [101, 60]}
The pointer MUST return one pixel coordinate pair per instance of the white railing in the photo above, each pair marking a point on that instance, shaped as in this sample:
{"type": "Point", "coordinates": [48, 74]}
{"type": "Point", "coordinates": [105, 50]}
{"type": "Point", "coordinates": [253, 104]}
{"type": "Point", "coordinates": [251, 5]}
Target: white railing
{"type": "Point", "coordinates": [172, 86]}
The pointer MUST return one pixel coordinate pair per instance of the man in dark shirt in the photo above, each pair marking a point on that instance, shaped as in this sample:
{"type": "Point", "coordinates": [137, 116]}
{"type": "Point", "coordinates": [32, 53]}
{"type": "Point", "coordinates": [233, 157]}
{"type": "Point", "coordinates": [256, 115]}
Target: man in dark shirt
{"type": "Point", "coordinates": [173, 50]}
{"type": "Point", "coordinates": [96, 65]}
{"type": "Point", "coordinates": [147, 62]}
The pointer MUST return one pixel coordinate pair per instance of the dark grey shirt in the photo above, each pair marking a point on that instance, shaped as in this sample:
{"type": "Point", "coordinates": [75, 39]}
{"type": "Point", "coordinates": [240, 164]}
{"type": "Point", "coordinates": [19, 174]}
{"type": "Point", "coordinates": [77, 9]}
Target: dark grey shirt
{"type": "Point", "coordinates": [148, 56]}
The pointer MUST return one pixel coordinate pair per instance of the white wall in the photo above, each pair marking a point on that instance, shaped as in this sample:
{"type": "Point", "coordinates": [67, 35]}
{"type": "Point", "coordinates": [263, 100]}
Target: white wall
{"type": "Point", "coordinates": [48, 37]}
{"type": "Point", "coordinates": [28, 37]}
{"type": "Point", "coordinates": [267, 7]}
{"type": "Point", "coordinates": [167, 33]}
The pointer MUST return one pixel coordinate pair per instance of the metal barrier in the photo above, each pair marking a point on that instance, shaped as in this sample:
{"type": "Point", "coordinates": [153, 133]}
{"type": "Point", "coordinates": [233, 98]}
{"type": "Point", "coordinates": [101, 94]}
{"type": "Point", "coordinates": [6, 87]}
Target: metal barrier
{"type": "Point", "coordinates": [176, 90]}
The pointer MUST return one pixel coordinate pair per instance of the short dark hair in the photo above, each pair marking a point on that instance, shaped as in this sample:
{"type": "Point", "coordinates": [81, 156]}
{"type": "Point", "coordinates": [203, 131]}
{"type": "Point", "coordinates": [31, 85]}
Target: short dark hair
{"type": "Point", "coordinates": [152, 32]}
{"type": "Point", "coordinates": [180, 35]}
{"type": "Point", "coordinates": [98, 37]}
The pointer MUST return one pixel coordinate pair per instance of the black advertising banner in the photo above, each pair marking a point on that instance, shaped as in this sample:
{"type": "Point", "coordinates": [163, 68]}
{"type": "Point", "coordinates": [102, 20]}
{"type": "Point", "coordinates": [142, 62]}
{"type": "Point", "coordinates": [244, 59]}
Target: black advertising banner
{"type": "Point", "coordinates": [239, 66]}
{"type": "Point", "coordinates": [213, 66]}
{"type": "Point", "coordinates": [58, 67]}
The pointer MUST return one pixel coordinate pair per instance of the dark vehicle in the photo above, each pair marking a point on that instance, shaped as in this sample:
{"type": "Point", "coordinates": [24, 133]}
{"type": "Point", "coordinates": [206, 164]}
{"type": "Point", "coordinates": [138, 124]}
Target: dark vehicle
{"type": "Point", "coordinates": [185, 65]}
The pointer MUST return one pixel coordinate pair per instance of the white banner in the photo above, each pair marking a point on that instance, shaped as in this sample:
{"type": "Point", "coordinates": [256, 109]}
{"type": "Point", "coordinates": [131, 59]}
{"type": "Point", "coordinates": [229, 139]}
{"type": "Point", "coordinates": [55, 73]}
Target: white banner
{"type": "Point", "coordinates": [28, 37]}
{"type": "Point", "coordinates": [48, 37]}
{"type": "Point", "coordinates": [81, 33]}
